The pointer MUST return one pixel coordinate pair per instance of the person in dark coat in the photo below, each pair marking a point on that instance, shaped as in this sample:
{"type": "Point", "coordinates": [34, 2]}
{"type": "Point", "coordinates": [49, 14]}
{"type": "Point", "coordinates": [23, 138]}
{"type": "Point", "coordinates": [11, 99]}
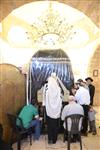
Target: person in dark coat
{"type": "Point", "coordinates": [89, 81]}
{"type": "Point", "coordinates": [3, 144]}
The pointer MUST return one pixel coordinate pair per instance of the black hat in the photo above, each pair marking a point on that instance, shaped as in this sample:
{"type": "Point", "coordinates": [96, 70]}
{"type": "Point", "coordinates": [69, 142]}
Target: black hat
{"type": "Point", "coordinates": [89, 78]}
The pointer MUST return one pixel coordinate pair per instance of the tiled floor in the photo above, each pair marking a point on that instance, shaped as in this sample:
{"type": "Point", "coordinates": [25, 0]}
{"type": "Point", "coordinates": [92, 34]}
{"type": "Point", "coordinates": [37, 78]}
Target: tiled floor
{"type": "Point", "coordinates": [91, 142]}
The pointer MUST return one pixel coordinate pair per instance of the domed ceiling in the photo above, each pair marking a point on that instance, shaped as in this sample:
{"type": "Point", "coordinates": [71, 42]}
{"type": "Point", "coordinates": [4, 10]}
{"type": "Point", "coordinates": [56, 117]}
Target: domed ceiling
{"type": "Point", "coordinates": [48, 24]}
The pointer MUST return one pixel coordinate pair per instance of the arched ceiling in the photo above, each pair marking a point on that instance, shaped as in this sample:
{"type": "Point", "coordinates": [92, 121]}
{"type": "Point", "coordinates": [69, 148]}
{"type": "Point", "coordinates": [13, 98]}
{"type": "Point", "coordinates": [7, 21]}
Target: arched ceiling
{"type": "Point", "coordinates": [83, 15]}
{"type": "Point", "coordinates": [54, 24]}
{"type": "Point", "coordinates": [89, 7]}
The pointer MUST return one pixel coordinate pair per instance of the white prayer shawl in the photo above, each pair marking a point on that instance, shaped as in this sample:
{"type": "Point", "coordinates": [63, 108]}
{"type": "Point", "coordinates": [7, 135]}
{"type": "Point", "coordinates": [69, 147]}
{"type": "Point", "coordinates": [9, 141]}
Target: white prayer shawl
{"type": "Point", "coordinates": [53, 101]}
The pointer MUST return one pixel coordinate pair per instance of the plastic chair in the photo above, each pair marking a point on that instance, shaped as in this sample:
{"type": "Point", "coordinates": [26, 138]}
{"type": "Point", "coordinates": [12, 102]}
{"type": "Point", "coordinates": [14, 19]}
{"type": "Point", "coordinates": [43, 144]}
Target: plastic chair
{"type": "Point", "coordinates": [19, 131]}
{"type": "Point", "coordinates": [73, 125]}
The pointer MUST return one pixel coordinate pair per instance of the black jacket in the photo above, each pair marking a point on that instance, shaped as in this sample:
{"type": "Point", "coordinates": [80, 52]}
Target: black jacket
{"type": "Point", "coordinates": [92, 92]}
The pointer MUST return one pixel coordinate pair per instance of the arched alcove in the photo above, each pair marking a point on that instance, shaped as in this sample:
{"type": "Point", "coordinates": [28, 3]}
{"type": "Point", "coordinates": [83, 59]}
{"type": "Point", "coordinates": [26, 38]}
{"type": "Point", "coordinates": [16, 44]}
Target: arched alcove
{"type": "Point", "coordinates": [43, 63]}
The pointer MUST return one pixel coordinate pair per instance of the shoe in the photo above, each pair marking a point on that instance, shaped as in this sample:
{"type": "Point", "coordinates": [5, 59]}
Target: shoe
{"type": "Point", "coordinates": [94, 133]}
{"type": "Point", "coordinates": [50, 142]}
{"type": "Point", "coordinates": [84, 134]}
{"type": "Point", "coordinates": [89, 131]}
{"type": "Point", "coordinates": [54, 142]}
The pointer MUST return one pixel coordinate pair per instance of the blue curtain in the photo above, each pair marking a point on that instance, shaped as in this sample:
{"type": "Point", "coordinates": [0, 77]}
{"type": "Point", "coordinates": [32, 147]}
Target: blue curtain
{"type": "Point", "coordinates": [43, 63]}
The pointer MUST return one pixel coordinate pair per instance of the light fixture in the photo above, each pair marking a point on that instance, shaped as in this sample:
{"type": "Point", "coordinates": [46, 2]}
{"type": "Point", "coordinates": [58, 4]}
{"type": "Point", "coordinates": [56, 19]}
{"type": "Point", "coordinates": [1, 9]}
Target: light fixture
{"type": "Point", "coordinates": [51, 22]}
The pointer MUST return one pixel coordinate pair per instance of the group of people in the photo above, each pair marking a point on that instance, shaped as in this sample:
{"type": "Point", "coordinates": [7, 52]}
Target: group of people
{"type": "Point", "coordinates": [84, 94]}
{"type": "Point", "coordinates": [79, 101]}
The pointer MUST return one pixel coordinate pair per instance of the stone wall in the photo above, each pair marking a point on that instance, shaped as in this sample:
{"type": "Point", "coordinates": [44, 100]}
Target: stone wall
{"type": "Point", "coordinates": [94, 72]}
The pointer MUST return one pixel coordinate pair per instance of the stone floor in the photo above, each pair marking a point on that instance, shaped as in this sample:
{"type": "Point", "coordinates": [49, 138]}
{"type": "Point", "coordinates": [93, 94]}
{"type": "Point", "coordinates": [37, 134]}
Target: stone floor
{"type": "Point", "coordinates": [91, 142]}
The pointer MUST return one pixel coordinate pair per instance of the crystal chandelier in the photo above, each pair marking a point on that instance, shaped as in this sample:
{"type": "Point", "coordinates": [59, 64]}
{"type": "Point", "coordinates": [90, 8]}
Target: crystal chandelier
{"type": "Point", "coordinates": [53, 25]}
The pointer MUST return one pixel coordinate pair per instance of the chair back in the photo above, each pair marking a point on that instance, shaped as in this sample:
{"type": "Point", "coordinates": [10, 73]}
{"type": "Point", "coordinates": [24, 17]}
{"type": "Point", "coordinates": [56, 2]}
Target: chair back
{"type": "Point", "coordinates": [73, 123]}
{"type": "Point", "coordinates": [13, 119]}
{"type": "Point", "coordinates": [17, 127]}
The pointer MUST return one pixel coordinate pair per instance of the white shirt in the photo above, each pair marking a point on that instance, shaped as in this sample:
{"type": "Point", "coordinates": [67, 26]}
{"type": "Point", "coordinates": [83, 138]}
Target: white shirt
{"type": "Point", "coordinates": [82, 96]}
{"type": "Point", "coordinates": [71, 108]}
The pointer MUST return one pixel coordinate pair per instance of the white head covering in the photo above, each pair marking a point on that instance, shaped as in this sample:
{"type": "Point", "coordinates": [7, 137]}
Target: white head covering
{"type": "Point", "coordinates": [53, 74]}
{"type": "Point", "coordinates": [53, 101]}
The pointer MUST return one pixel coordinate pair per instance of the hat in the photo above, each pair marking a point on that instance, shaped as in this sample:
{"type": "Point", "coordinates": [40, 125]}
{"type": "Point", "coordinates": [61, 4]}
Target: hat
{"type": "Point", "coordinates": [53, 75]}
{"type": "Point", "coordinates": [89, 78]}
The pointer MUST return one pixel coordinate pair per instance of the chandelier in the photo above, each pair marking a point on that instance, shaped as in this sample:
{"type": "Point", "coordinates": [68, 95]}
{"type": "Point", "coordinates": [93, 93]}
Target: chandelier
{"type": "Point", "coordinates": [51, 27]}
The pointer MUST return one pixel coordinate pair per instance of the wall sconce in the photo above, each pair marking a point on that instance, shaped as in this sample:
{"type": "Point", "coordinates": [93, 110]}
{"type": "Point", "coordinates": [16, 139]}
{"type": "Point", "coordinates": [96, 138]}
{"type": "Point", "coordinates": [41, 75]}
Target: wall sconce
{"type": "Point", "coordinates": [95, 73]}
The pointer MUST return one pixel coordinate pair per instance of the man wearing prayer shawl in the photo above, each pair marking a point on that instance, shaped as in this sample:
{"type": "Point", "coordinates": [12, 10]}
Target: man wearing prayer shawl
{"type": "Point", "coordinates": [52, 100]}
